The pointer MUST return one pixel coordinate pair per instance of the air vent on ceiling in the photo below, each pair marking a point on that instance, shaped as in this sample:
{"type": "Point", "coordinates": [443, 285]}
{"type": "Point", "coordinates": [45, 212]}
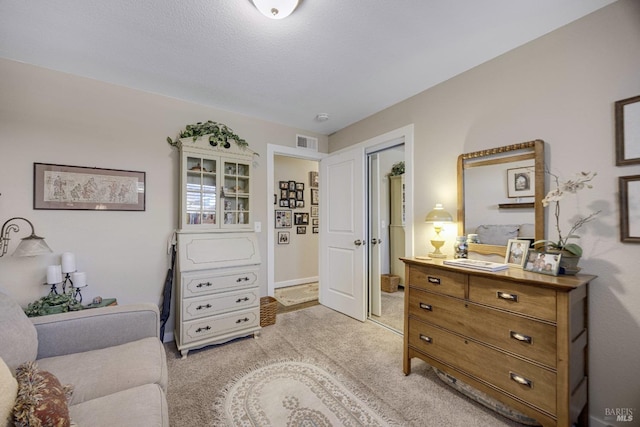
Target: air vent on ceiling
{"type": "Point", "coordinates": [307, 142]}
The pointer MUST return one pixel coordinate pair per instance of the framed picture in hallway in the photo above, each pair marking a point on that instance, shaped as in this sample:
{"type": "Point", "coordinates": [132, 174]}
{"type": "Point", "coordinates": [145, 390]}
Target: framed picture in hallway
{"type": "Point", "coordinates": [283, 237]}
{"type": "Point", "coordinates": [283, 218]}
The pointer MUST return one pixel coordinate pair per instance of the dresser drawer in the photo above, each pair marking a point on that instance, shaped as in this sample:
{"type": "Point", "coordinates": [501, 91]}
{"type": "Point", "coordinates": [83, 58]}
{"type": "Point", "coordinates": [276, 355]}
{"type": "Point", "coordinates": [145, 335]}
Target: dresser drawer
{"type": "Point", "coordinates": [436, 280]}
{"type": "Point", "coordinates": [530, 300]}
{"type": "Point", "coordinates": [527, 381]}
{"type": "Point", "coordinates": [219, 325]}
{"type": "Point", "coordinates": [209, 305]}
{"type": "Point", "coordinates": [197, 283]}
{"type": "Point", "coordinates": [527, 337]}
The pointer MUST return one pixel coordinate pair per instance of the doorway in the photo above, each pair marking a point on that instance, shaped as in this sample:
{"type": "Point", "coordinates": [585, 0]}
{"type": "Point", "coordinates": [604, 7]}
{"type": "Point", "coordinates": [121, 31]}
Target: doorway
{"type": "Point", "coordinates": [386, 216]}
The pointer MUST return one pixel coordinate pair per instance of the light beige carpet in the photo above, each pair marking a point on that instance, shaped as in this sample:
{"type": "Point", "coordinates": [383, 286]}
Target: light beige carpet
{"type": "Point", "coordinates": [296, 393]}
{"type": "Point", "coordinates": [292, 295]}
{"type": "Point", "coordinates": [362, 353]}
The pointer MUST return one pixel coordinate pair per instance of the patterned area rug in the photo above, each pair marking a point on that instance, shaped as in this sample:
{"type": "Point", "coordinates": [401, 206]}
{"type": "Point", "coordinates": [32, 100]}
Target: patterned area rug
{"type": "Point", "coordinates": [296, 394]}
{"type": "Point", "coordinates": [298, 294]}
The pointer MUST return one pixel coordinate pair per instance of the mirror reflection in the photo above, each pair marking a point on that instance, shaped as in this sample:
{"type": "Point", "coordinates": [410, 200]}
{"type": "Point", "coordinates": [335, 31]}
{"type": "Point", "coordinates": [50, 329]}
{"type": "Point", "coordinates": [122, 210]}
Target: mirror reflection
{"type": "Point", "coordinates": [499, 196]}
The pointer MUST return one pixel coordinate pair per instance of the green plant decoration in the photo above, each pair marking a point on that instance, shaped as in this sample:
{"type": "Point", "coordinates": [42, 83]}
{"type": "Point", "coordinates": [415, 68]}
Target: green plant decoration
{"type": "Point", "coordinates": [397, 169]}
{"type": "Point", "coordinates": [219, 134]}
{"type": "Point", "coordinates": [53, 303]}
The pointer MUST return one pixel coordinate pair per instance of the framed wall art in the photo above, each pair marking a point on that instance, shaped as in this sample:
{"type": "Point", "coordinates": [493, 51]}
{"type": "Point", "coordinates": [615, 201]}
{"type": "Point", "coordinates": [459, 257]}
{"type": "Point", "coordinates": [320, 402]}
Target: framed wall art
{"type": "Point", "coordinates": [313, 179]}
{"type": "Point", "coordinates": [283, 218]}
{"type": "Point", "coordinates": [627, 112]}
{"type": "Point", "coordinates": [629, 191]}
{"type": "Point", "coordinates": [301, 230]}
{"type": "Point", "coordinates": [283, 237]}
{"type": "Point", "coordinates": [520, 182]}
{"type": "Point", "coordinates": [87, 188]}
{"type": "Point", "coordinates": [314, 196]}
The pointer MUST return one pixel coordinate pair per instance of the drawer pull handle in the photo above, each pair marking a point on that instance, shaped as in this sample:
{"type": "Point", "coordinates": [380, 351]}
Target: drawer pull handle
{"type": "Point", "coordinates": [507, 296]}
{"type": "Point", "coordinates": [246, 319]}
{"type": "Point", "coordinates": [239, 300]}
{"type": "Point", "coordinates": [206, 328]}
{"type": "Point", "coordinates": [242, 279]}
{"type": "Point", "coordinates": [521, 380]}
{"type": "Point", "coordinates": [199, 285]}
{"type": "Point", "coordinates": [426, 339]}
{"type": "Point", "coordinates": [200, 307]}
{"type": "Point", "coordinates": [427, 307]}
{"type": "Point", "coordinates": [434, 280]}
{"type": "Point", "coordinates": [521, 337]}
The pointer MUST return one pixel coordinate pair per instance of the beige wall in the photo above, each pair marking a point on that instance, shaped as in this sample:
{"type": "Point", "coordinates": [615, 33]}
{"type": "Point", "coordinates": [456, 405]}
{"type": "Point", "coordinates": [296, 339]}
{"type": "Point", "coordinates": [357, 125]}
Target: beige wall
{"type": "Point", "coordinates": [559, 88]}
{"type": "Point", "coordinates": [51, 117]}
{"type": "Point", "coordinates": [296, 262]}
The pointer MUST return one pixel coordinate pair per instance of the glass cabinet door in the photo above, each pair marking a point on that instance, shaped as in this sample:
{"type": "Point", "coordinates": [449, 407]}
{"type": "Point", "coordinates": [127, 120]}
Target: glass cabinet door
{"type": "Point", "coordinates": [236, 193]}
{"type": "Point", "coordinates": [200, 191]}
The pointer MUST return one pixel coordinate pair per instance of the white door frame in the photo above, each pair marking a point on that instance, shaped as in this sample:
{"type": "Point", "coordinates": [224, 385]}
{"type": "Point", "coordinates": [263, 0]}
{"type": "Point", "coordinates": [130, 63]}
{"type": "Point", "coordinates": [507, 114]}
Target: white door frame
{"type": "Point", "coordinates": [274, 150]}
{"type": "Point", "coordinates": [374, 144]}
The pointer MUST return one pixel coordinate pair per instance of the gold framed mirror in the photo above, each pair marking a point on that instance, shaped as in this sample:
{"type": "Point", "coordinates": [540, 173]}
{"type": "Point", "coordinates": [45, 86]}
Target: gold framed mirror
{"type": "Point", "coordinates": [500, 192]}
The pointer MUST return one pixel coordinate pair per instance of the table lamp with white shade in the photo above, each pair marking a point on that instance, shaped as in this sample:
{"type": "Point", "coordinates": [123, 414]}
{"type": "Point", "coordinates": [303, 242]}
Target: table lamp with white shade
{"type": "Point", "coordinates": [438, 217]}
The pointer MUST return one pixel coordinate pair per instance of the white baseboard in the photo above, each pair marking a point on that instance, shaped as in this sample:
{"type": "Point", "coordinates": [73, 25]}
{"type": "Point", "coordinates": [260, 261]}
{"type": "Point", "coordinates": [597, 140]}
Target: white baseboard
{"type": "Point", "coordinates": [295, 282]}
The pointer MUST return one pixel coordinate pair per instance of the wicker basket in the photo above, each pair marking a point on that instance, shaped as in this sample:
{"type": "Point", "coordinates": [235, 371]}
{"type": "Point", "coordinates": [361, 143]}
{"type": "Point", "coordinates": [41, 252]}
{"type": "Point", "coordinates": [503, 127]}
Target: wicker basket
{"type": "Point", "coordinates": [268, 308]}
{"type": "Point", "coordinates": [389, 282]}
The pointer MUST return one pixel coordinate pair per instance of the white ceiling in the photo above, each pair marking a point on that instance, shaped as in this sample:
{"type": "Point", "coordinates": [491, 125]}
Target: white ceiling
{"type": "Point", "coordinates": [346, 58]}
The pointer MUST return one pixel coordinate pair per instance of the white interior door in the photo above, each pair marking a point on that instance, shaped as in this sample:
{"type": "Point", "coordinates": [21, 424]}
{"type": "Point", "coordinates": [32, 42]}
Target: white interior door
{"type": "Point", "coordinates": [342, 233]}
{"type": "Point", "coordinates": [375, 297]}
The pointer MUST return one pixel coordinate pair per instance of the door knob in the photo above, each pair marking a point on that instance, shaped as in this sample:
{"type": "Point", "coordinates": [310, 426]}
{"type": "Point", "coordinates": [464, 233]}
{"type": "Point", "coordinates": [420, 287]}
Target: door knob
{"type": "Point", "coordinates": [375, 241]}
{"type": "Point", "coordinates": [357, 242]}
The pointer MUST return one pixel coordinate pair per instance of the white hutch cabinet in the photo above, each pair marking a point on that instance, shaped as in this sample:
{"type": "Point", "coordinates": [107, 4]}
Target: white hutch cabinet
{"type": "Point", "coordinates": [218, 261]}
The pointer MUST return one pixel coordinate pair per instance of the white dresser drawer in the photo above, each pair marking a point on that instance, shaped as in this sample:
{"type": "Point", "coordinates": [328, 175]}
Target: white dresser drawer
{"type": "Point", "coordinates": [198, 283]}
{"type": "Point", "coordinates": [196, 330]}
{"type": "Point", "coordinates": [209, 305]}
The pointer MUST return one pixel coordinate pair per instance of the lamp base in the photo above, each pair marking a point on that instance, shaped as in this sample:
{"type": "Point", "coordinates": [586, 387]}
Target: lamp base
{"type": "Point", "coordinates": [437, 244]}
{"type": "Point", "coordinates": [437, 255]}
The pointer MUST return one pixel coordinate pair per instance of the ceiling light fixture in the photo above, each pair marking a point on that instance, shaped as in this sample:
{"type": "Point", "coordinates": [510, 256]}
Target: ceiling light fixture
{"type": "Point", "coordinates": [276, 9]}
{"type": "Point", "coordinates": [322, 117]}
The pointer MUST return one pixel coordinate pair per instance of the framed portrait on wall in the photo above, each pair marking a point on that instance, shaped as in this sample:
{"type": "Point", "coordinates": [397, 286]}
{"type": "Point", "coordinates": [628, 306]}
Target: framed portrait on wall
{"type": "Point", "coordinates": [283, 237]}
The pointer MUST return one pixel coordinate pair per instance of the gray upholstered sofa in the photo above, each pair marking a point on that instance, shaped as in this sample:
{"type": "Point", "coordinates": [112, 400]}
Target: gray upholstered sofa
{"type": "Point", "coordinates": [112, 357]}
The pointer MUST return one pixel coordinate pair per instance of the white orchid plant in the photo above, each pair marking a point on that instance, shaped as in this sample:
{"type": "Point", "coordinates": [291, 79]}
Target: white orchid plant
{"type": "Point", "coordinates": [580, 181]}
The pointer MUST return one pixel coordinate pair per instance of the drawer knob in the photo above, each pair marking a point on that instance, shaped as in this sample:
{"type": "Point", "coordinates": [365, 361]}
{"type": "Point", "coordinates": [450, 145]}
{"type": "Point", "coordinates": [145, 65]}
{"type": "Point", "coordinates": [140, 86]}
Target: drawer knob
{"type": "Point", "coordinates": [425, 306]}
{"type": "Point", "coordinates": [239, 300]}
{"type": "Point", "coordinates": [200, 285]}
{"type": "Point", "coordinates": [201, 307]}
{"type": "Point", "coordinates": [206, 328]}
{"type": "Point", "coordinates": [507, 296]}
{"type": "Point", "coordinates": [242, 279]}
{"type": "Point", "coordinates": [521, 337]}
{"type": "Point", "coordinates": [426, 339]}
{"type": "Point", "coordinates": [521, 380]}
{"type": "Point", "coordinates": [246, 319]}
{"type": "Point", "coordinates": [434, 280]}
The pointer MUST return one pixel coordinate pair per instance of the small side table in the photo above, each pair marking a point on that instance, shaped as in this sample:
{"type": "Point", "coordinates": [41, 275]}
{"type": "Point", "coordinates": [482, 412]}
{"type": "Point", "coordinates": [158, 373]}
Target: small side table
{"type": "Point", "coordinates": [106, 302]}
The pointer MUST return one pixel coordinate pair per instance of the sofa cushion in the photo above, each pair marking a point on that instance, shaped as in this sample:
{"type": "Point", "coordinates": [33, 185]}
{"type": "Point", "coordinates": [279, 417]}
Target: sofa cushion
{"type": "Point", "coordinates": [17, 334]}
{"type": "Point", "coordinates": [8, 393]}
{"type": "Point", "coordinates": [42, 399]}
{"type": "Point", "coordinates": [98, 373]}
{"type": "Point", "coordinates": [145, 405]}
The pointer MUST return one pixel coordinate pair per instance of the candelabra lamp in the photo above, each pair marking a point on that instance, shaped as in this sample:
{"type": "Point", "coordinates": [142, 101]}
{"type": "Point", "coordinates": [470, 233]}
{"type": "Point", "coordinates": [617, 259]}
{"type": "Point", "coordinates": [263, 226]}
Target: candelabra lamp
{"type": "Point", "coordinates": [29, 246]}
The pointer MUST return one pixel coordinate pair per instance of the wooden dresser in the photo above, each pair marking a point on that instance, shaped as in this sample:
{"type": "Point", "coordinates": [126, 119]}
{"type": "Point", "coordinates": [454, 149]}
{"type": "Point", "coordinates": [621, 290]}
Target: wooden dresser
{"type": "Point", "coordinates": [518, 336]}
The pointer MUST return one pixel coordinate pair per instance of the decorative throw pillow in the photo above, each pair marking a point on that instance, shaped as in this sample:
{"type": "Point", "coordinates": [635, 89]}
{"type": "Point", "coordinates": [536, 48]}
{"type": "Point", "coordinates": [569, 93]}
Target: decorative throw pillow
{"type": "Point", "coordinates": [42, 400]}
{"type": "Point", "coordinates": [8, 393]}
{"type": "Point", "coordinates": [497, 234]}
